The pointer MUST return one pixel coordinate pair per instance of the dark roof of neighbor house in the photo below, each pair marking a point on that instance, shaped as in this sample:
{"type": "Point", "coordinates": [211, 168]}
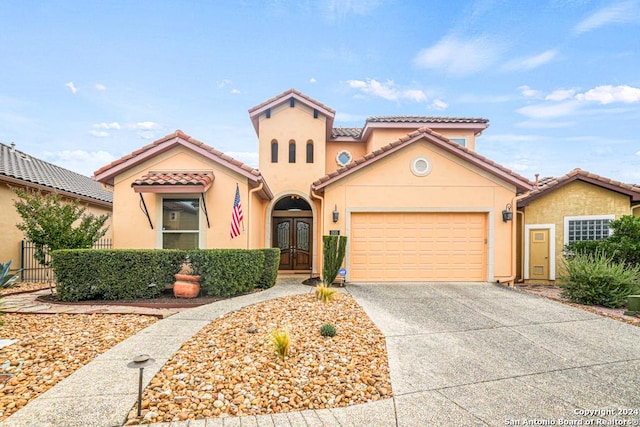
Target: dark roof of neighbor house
{"type": "Point", "coordinates": [521, 183]}
{"type": "Point", "coordinates": [20, 168]}
{"type": "Point", "coordinates": [546, 185]}
{"type": "Point", "coordinates": [107, 173]}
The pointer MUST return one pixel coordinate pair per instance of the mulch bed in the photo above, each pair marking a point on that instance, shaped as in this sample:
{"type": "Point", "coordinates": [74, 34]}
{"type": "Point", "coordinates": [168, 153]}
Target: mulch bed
{"type": "Point", "coordinates": [165, 300]}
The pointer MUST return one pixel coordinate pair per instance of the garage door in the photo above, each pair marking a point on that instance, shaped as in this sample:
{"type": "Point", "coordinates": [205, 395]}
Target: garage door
{"type": "Point", "coordinates": [397, 246]}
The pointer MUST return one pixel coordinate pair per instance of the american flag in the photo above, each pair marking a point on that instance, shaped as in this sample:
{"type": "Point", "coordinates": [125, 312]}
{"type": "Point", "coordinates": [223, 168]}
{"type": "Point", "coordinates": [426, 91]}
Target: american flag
{"type": "Point", "coordinates": [236, 216]}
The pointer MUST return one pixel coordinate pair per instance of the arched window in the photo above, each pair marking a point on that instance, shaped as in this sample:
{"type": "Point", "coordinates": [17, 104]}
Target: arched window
{"type": "Point", "coordinates": [274, 151]}
{"type": "Point", "coordinates": [309, 151]}
{"type": "Point", "coordinates": [292, 151]}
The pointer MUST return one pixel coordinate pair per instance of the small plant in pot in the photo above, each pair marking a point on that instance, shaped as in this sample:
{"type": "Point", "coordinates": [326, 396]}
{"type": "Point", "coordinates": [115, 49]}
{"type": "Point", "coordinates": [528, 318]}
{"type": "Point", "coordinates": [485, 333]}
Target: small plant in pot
{"type": "Point", "coordinates": [187, 284]}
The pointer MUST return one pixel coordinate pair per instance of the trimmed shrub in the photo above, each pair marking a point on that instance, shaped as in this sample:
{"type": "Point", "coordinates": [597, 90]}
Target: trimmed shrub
{"type": "Point", "coordinates": [228, 272]}
{"type": "Point", "coordinates": [595, 278]}
{"type": "Point", "coordinates": [83, 274]}
{"type": "Point", "coordinates": [271, 264]}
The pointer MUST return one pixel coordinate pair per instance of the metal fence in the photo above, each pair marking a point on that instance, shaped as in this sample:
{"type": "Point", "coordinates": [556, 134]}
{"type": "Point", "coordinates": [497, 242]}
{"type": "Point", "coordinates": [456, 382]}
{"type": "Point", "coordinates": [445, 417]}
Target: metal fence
{"type": "Point", "coordinates": [33, 271]}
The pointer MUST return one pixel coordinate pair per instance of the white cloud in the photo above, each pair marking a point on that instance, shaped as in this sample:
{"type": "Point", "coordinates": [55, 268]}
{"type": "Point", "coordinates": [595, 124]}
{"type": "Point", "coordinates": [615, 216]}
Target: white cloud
{"type": "Point", "coordinates": [223, 83]}
{"type": "Point", "coordinates": [235, 91]}
{"type": "Point", "coordinates": [638, 153]}
{"type": "Point", "coordinates": [312, 80]}
{"type": "Point", "coordinates": [549, 111]}
{"type": "Point", "coordinates": [387, 90]}
{"type": "Point", "coordinates": [537, 124]}
{"type": "Point", "coordinates": [621, 12]}
{"type": "Point", "coordinates": [339, 9]}
{"type": "Point", "coordinates": [98, 133]}
{"type": "Point", "coordinates": [458, 57]}
{"type": "Point", "coordinates": [100, 86]}
{"type": "Point", "coordinates": [608, 94]}
{"type": "Point", "coordinates": [530, 62]}
{"type": "Point", "coordinates": [528, 92]}
{"type": "Point", "coordinates": [145, 125]}
{"type": "Point", "coordinates": [439, 104]}
{"type": "Point", "coordinates": [71, 87]}
{"type": "Point", "coordinates": [147, 134]}
{"type": "Point", "coordinates": [560, 95]}
{"type": "Point", "coordinates": [80, 161]}
{"type": "Point", "coordinates": [104, 125]}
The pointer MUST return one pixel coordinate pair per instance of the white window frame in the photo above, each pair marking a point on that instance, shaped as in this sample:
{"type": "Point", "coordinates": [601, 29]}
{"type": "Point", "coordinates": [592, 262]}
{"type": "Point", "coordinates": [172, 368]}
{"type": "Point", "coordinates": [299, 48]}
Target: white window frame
{"type": "Point", "coordinates": [583, 218]}
{"type": "Point", "coordinates": [457, 140]}
{"type": "Point", "coordinates": [159, 219]}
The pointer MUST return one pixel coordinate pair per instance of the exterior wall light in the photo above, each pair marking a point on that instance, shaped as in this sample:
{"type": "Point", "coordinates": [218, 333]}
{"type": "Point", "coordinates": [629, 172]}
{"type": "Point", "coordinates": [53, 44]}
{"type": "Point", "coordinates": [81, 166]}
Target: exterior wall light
{"type": "Point", "coordinates": [507, 213]}
{"type": "Point", "coordinates": [336, 214]}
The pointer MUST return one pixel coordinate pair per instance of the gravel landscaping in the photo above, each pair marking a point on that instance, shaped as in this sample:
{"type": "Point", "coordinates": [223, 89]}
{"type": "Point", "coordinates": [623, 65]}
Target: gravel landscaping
{"type": "Point", "coordinates": [230, 367]}
{"type": "Point", "coordinates": [51, 347]}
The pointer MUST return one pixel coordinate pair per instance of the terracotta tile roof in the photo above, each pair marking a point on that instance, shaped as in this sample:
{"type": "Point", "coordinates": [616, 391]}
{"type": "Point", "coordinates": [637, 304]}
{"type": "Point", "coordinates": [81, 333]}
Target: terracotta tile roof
{"type": "Point", "coordinates": [176, 178]}
{"type": "Point", "coordinates": [348, 132]}
{"type": "Point", "coordinates": [17, 167]}
{"type": "Point", "coordinates": [425, 119]}
{"type": "Point", "coordinates": [519, 181]}
{"type": "Point", "coordinates": [411, 121]}
{"type": "Point", "coordinates": [107, 173]}
{"type": "Point", "coordinates": [284, 95]}
{"type": "Point", "coordinates": [548, 184]}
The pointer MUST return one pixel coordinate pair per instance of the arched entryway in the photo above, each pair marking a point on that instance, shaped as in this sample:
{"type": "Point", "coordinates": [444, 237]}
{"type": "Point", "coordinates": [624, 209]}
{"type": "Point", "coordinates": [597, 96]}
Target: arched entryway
{"type": "Point", "coordinates": [292, 232]}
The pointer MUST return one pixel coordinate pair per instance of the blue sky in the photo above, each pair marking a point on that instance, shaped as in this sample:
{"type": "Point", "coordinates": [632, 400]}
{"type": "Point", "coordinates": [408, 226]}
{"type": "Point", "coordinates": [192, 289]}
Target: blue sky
{"type": "Point", "coordinates": [83, 83]}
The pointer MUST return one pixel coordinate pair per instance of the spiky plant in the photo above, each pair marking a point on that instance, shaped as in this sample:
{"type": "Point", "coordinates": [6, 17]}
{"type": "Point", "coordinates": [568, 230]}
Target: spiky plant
{"type": "Point", "coordinates": [281, 341]}
{"type": "Point", "coordinates": [324, 293]}
{"type": "Point", "coordinates": [328, 330]}
{"type": "Point", "coordinates": [7, 279]}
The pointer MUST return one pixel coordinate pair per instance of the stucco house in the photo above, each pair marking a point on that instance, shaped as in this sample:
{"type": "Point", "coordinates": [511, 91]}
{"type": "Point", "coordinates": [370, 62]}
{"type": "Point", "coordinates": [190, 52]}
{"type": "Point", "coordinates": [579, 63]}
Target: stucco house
{"type": "Point", "coordinates": [412, 195]}
{"type": "Point", "coordinates": [18, 169]}
{"type": "Point", "coordinates": [558, 211]}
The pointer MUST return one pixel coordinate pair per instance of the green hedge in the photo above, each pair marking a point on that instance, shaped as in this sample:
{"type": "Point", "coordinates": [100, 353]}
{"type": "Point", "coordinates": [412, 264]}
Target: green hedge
{"type": "Point", "coordinates": [83, 274]}
{"type": "Point", "coordinates": [271, 264]}
{"type": "Point", "coordinates": [228, 272]}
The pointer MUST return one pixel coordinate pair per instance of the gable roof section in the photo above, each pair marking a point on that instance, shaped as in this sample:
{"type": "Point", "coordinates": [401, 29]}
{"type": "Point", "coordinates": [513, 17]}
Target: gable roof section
{"type": "Point", "coordinates": [550, 184]}
{"type": "Point", "coordinates": [107, 173]}
{"type": "Point", "coordinates": [521, 183]}
{"type": "Point", "coordinates": [19, 168]}
{"type": "Point", "coordinates": [476, 124]}
{"type": "Point", "coordinates": [254, 112]}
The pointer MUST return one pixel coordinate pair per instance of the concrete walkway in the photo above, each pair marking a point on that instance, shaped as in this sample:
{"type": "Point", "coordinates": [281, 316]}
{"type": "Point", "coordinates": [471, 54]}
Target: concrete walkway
{"type": "Point", "coordinates": [459, 354]}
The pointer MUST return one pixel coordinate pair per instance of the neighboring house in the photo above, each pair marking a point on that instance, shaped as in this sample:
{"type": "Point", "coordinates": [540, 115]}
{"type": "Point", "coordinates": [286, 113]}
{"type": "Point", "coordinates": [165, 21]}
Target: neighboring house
{"type": "Point", "coordinates": [411, 194]}
{"type": "Point", "coordinates": [576, 206]}
{"type": "Point", "coordinates": [18, 169]}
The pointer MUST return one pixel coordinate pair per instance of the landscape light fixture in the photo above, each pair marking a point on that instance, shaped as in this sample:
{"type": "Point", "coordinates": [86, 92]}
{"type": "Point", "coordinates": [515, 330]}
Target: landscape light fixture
{"type": "Point", "coordinates": [507, 213]}
{"type": "Point", "coordinates": [140, 362]}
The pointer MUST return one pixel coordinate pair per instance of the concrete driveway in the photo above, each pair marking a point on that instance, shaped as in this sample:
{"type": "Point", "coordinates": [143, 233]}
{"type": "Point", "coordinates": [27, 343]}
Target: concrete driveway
{"type": "Point", "coordinates": [480, 354]}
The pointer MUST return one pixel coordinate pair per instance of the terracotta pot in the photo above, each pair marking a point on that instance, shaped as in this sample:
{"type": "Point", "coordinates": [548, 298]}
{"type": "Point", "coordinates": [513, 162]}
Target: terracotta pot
{"type": "Point", "coordinates": [186, 286]}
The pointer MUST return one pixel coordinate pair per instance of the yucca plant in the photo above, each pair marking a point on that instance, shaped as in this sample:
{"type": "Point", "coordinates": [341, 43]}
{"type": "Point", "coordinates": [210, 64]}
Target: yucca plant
{"type": "Point", "coordinates": [281, 341]}
{"type": "Point", "coordinates": [324, 293]}
{"type": "Point", "coordinates": [7, 279]}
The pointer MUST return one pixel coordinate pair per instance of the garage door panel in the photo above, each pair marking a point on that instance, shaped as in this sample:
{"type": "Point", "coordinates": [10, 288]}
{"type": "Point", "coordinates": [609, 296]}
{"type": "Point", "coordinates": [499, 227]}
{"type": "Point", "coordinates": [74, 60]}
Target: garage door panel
{"type": "Point", "coordinates": [403, 246]}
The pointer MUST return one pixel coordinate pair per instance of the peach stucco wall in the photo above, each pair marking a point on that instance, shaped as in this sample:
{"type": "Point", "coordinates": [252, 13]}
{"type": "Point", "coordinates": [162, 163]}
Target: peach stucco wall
{"type": "Point", "coordinates": [381, 137]}
{"type": "Point", "coordinates": [131, 227]}
{"type": "Point", "coordinates": [452, 185]}
{"type": "Point", "coordinates": [357, 150]}
{"type": "Point", "coordinates": [9, 218]}
{"type": "Point", "coordinates": [577, 198]}
{"type": "Point", "coordinates": [292, 124]}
